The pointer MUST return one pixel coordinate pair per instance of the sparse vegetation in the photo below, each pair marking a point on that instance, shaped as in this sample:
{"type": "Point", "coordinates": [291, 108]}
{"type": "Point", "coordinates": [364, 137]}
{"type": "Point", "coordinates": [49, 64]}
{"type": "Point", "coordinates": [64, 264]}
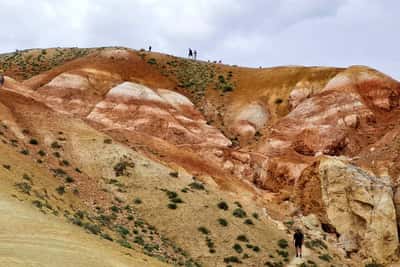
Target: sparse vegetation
{"type": "Point", "coordinates": [33, 142]}
{"type": "Point", "coordinates": [238, 212]}
{"type": "Point", "coordinates": [283, 243]}
{"type": "Point", "coordinates": [223, 205]}
{"type": "Point", "coordinates": [325, 257]}
{"type": "Point", "coordinates": [223, 222]}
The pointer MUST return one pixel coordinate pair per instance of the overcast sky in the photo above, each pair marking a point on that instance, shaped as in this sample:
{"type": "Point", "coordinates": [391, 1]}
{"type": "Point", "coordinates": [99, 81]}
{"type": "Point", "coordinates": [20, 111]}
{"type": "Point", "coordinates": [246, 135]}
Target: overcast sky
{"type": "Point", "coordinates": [243, 32]}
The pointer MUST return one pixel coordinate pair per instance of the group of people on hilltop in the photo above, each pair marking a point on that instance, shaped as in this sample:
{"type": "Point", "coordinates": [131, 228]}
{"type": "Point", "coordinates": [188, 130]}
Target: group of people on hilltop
{"type": "Point", "coordinates": [192, 54]}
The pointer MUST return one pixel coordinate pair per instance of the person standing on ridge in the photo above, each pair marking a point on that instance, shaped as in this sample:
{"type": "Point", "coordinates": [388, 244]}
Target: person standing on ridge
{"type": "Point", "coordinates": [190, 53]}
{"type": "Point", "coordinates": [195, 54]}
{"type": "Point", "coordinates": [1, 78]}
{"type": "Point", "coordinates": [298, 239]}
{"type": "Point", "coordinates": [150, 48]}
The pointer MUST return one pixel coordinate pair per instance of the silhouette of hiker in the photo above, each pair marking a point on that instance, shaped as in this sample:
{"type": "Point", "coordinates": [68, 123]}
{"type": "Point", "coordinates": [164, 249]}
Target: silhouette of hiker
{"type": "Point", "coordinates": [195, 54]}
{"type": "Point", "coordinates": [190, 53]}
{"type": "Point", "coordinates": [150, 48]}
{"type": "Point", "coordinates": [1, 78]}
{"type": "Point", "coordinates": [298, 239]}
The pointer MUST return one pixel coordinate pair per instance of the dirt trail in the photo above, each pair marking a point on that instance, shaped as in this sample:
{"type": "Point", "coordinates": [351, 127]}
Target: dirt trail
{"type": "Point", "coordinates": [297, 261]}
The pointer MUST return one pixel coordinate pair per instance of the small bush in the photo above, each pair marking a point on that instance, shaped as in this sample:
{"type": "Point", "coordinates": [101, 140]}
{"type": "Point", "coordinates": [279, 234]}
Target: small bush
{"type": "Point", "coordinates": [69, 179]}
{"type": "Point", "coordinates": [223, 205]}
{"type": "Point", "coordinates": [137, 201]}
{"type": "Point", "coordinates": [282, 253]}
{"type": "Point", "coordinates": [174, 174]}
{"type": "Point", "coordinates": [122, 230]}
{"type": "Point", "coordinates": [177, 200]}
{"type": "Point", "coordinates": [24, 151]}
{"type": "Point", "coordinates": [139, 240]}
{"type": "Point", "coordinates": [278, 101]}
{"type": "Point", "coordinates": [232, 259]}
{"type": "Point", "coordinates": [242, 238]}
{"type": "Point", "coordinates": [255, 215]}
{"type": "Point", "coordinates": [92, 228]}
{"type": "Point", "coordinates": [124, 243]}
{"type": "Point", "coordinates": [107, 141]}
{"type": "Point", "coordinates": [33, 142]}
{"type": "Point", "coordinates": [203, 230]}
{"type": "Point", "coordinates": [238, 212]}
{"type": "Point", "coordinates": [106, 236]}
{"type": "Point", "coordinates": [248, 222]}
{"type": "Point", "coordinates": [65, 162]}
{"type": "Point", "coordinates": [256, 248]}
{"type": "Point", "coordinates": [60, 190]}
{"type": "Point", "coordinates": [115, 208]}
{"type": "Point", "coordinates": [172, 206]}
{"type": "Point", "coordinates": [238, 248]}
{"type": "Point", "coordinates": [197, 186]}
{"type": "Point", "coordinates": [152, 61]}
{"type": "Point", "coordinates": [325, 257]}
{"type": "Point", "coordinates": [223, 222]}
{"type": "Point", "coordinates": [57, 154]}
{"type": "Point", "coordinates": [42, 153]}
{"type": "Point", "coordinates": [24, 187]}
{"type": "Point", "coordinates": [283, 243]}
{"type": "Point", "coordinates": [55, 145]}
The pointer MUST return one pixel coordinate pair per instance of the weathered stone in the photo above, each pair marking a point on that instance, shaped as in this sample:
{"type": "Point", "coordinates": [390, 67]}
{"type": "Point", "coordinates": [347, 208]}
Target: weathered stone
{"type": "Point", "coordinates": [360, 206]}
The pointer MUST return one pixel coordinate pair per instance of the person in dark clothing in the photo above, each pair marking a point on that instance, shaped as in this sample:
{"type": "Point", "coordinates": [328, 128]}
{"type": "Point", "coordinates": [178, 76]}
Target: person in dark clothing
{"type": "Point", "coordinates": [298, 239]}
{"type": "Point", "coordinates": [195, 54]}
{"type": "Point", "coordinates": [190, 53]}
{"type": "Point", "coordinates": [150, 48]}
{"type": "Point", "coordinates": [1, 79]}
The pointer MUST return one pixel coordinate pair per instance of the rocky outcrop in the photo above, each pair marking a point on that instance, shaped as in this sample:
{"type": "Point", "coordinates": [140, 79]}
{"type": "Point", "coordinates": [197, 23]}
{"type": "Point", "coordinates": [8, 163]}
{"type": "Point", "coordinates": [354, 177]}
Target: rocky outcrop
{"type": "Point", "coordinates": [360, 206]}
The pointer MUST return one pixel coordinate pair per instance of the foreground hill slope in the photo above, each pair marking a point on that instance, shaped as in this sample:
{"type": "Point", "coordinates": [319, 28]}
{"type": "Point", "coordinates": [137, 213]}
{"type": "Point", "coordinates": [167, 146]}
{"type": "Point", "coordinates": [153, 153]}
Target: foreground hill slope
{"type": "Point", "coordinates": [196, 163]}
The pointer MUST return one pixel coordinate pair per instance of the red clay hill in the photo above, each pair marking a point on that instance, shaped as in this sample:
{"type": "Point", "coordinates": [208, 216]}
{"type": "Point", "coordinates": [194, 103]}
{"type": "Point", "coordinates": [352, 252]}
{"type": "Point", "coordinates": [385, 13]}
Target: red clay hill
{"type": "Point", "coordinates": [301, 140]}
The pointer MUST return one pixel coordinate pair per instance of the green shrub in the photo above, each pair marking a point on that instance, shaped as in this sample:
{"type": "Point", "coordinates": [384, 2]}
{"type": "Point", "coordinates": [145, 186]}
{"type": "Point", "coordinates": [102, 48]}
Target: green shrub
{"type": "Point", "coordinates": [238, 212]}
{"type": "Point", "coordinates": [283, 243]}
{"type": "Point", "coordinates": [197, 186]}
{"type": "Point", "coordinates": [282, 253]}
{"type": "Point", "coordinates": [232, 259]}
{"type": "Point", "coordinates": [152, 61]}
{"type": "Point", "coordinates": [92, 228]}
{"type": "Point", "coordinates": [255, 215]}
{"type": "Point", "coordinates": [124, 243]}
{"type": "Point", "coordinates": [223, 205]}
{"type": "Point", "coordinates": [223, 222]}
{"type": "Point", "coordinates": [174, 174]}
{"type": "Point", "coordinates": [24, 187]}
{"type": "Point", "coordinates": [107, 141]}
{"type": "Point", "coordinates": [57, 154]}
{"type": "Point", "coordinates": [256, 248]}
{"type": "Point", "coordinates": [177, 200]}
{"type": "Point", "coordinates": [42, 153]}
{"type": "Point", "coordinates": [238, 248]}
{"type": "Point", "coordinates": [138, 240]}
{"type": "Point", "coordinates": [115, 208]}
{"type": "Point", "coordinates": [248, 221]}
{"type": "Point", "coordinates": [122, 230]}
{"type": "Point", "coordinates": [33, 142]}
{"type": "Point", "coordinates": [203, 230]}
{"type": "Point", "coordinates": [137, 201]}
{"type": "Point", "coordinates": [278, 101]}
{"type": "Point", "coordinates": [172, 206]}
{"type": "Point", "coordinates": [242, 238]}
{"type": "Point", "coordinates": [55, 145]}
{"type": "Point", "coordinates": [24, 151]}
{"type": "Point", "coordinates": [325, 257]}
{"type": "Point", "coordinates": [106, 236]}
{"type": "Point", "coordinates": [60, 190]}
{"type": "Point", "coordinates": [69, 179]}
